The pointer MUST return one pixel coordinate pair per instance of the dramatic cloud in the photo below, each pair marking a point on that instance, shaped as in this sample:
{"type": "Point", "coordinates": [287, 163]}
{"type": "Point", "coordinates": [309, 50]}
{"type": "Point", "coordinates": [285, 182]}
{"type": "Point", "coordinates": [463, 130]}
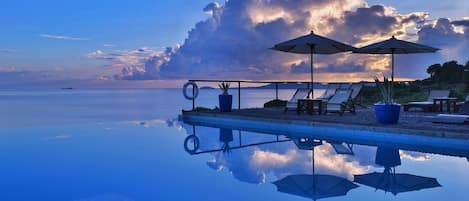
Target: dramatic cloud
{"type": "Point", "coordinates": [233, 42]}
{"type": "Point", "coordinates": [60, 37]}
{"type": "Point", "coordinates": [143, 63]}
{"type": "Point", "coordinates": [449, 36]}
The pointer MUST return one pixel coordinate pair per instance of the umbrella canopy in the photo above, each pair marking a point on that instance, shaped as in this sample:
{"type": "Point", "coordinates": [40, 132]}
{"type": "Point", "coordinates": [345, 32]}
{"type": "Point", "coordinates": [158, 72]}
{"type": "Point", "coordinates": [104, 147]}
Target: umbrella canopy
{"type": "Point", "coordinates": [315, 186]}
{"type": "Point", "coordinates": [396, 183]}
{"type": "Point", "coordinates": [395, 46]}
{"type": "Point", "coordinates": [312, 44]}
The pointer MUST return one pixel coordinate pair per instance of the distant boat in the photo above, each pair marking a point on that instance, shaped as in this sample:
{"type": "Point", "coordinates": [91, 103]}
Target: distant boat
{"type": "Point", "coordinates": [67, 88]}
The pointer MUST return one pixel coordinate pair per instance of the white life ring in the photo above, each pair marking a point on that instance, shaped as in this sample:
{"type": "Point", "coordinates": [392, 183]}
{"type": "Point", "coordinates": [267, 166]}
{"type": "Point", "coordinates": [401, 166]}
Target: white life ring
{"type": "Point", "coordinates": [194, 87]}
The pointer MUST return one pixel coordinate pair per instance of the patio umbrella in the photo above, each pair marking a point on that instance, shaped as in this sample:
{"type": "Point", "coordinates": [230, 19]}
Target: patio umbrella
{"type": "Point", "coordinates": [315, 186]}
{"type": "Point", "coordinates": [388, 180]}
{"type": "Point", "coordinates": [395, 46]}
{"type": "Point", "coordinates": [312, 44]}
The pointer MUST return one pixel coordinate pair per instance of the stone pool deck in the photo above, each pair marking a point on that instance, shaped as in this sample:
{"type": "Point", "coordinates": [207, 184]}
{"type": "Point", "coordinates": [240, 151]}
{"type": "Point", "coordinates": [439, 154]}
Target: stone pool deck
{"type": "Point", "coordinates": [418, 123]}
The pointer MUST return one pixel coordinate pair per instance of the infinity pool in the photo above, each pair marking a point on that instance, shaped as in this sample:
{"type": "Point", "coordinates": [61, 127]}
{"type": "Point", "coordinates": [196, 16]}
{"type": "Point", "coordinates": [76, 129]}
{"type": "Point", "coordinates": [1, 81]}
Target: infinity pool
{"type": "Point", "coordinates": [130, 145]}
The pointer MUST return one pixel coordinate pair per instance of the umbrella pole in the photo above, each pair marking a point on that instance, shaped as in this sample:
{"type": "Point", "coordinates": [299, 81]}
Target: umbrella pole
{"type": "Point", "coordinates": [392, 74]}
{"type": "Point", "coordinates": [312, 70]}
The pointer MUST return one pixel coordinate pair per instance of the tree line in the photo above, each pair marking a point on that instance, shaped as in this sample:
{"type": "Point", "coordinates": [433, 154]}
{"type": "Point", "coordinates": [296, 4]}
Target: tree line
{"type": "Point", "coordinates": [449, 72]}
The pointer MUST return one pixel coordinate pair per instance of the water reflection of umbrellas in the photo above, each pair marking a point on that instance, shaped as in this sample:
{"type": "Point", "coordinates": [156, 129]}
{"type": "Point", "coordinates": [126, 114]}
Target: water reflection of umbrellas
{"type": "Point", "coordinates": [315, 186]}
{"type": "Point", "coordinates": [389, 180]}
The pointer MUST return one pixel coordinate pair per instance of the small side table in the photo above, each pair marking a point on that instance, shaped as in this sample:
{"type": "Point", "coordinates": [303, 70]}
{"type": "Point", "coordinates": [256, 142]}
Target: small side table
{"type": "Point", "coordinates": [438, 103]}
{"type": "Point", "coordinates": [309, 105]}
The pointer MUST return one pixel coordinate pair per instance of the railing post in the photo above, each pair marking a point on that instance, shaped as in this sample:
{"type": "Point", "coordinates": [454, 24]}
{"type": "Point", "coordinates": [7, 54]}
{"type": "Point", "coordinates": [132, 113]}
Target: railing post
{"type": "Point", "coordinates": [193, 100]}
{"type": "Point", "coordinates": [276, 91]}
{"type": "Point", "coordinates": [239, 95]}
{"type": "Point", "coordinates": [239, 136]}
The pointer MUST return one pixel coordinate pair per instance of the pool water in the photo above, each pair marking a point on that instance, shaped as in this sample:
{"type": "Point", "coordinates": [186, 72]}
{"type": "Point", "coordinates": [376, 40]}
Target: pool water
{"type": "Point", "coordinates": [131, 145]}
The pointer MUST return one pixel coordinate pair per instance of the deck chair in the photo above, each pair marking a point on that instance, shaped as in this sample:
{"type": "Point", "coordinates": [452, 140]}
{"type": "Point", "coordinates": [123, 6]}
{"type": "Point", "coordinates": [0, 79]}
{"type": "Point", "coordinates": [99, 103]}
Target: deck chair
{"type": "Point", "coordinates": [340, 102]}
{"type": "Point", "coordinates": [345, 86]}
{"type": "Point", "coordinates": [356, 89]}
{"type": "Point", "coordinates": [342, 148]}
{"type": "Point", "coordinates": [461, 118]}
{"type": "Point", "coordinates": [427, 106]}
{"type": "Point", "coordinates": [330, 91]}
{"type": "Point", "coordinates": [292, 104]}
{"type": "Point", "coordinates": [460, 104]}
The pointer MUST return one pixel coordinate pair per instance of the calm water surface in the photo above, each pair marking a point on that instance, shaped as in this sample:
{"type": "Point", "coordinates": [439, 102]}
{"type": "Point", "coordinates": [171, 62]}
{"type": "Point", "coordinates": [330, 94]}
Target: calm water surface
{"type": "Point", "coordinates": [129, 145]}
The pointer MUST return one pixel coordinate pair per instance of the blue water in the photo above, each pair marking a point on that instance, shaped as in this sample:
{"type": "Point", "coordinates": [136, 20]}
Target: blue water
{"type": "Point", "coordinates": [129, 145]}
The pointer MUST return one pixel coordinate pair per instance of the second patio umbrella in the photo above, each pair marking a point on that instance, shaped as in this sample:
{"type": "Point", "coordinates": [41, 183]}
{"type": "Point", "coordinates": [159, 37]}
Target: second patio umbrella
{"type": "Point", "coordinates": [395, 46]}
{"type": "Point", "coordinates": [312, 44]}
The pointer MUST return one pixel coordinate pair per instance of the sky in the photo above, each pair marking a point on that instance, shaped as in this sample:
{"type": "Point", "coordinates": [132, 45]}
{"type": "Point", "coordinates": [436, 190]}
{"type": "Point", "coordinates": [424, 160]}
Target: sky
{"type": "Point", "coordinates": [151, 43]}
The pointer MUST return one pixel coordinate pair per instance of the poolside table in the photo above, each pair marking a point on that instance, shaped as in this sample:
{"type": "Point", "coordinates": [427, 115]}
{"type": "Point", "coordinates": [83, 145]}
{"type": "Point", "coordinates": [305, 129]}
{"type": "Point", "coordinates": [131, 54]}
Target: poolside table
{"type": "Point", "coordinates": [438, 103]}
{"type": "Point", "coordinates": [310, 106]}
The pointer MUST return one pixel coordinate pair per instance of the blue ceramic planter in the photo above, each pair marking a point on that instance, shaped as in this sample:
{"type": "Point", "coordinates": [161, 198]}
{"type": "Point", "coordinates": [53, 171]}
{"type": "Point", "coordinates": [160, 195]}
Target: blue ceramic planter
{"type": "Point", "coordinates": [387, 114]}
{"type": "Point", "coordinates": [225, 102]}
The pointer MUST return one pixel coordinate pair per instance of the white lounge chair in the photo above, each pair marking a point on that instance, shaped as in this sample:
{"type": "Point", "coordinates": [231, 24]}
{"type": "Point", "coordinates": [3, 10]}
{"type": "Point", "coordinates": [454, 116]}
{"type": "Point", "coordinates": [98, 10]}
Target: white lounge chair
{"type": "Point", "coordinates": [292, 104]}
{"type": "Point", "coordinates": [342, 148]}
{"type": "Point", "coordinates": [345, 86]}
{"type": "Point", "coordinates": [461, 118]}
{"type": "Point", "coordinates": [340, 102]}
{"type": "Point", "coordinates": [451, 118]}
{"type": "Point", "coordinates": [330, 91]}
{"type": "Point", "coordinates": [427, 105]}
{"type": "Point", "coordinates": [356, 88]}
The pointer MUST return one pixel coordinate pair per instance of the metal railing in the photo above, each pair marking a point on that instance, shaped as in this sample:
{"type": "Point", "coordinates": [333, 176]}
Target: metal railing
{"type": "Point", "coordinates": [238, 82]}
{"type": "Point", "coordinates": [276, 83]}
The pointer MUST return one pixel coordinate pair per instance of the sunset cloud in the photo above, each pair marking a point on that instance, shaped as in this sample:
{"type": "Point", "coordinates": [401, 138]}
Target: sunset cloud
{"type": "Point", "coordinates": [233, 42]}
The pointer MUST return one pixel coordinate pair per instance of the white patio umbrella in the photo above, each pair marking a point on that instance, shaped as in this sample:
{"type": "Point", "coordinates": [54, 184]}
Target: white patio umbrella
{"type": "Point", "coordinates": [313, 44]}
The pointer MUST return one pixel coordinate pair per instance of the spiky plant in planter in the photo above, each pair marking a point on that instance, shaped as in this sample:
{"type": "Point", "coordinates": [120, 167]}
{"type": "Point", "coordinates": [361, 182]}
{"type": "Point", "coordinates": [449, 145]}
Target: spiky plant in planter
{"type": "Point", "coordinates": [224, 86]}
{"type": "Point", "coordinates": [386, 111]}
{"type": "Point", "coordinates": [225, 100]}
{"type": "Point", "coordinates": [385, 90]}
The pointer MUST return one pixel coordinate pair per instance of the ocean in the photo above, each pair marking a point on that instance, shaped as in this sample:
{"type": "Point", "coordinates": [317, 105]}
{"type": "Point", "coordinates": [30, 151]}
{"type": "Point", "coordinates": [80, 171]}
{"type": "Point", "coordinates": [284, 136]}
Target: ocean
{"type": "Point", "coordinates": [130, 145]}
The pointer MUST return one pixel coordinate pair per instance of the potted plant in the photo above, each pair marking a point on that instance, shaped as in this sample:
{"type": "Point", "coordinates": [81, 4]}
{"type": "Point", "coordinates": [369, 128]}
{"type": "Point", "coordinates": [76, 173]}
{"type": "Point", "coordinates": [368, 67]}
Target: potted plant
{"type": "Point", "coordinates": [225, 100]}
{"type": "Point", "coordinates": [226, 136]}
{"type": "Point", "coordinates": [386, 111]}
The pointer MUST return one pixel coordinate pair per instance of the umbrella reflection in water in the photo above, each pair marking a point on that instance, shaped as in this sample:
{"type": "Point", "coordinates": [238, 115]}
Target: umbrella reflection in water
{"type": "Point", "coordinates": [315, 186]}
{"type": "Point", "coordinates": [389, 180]}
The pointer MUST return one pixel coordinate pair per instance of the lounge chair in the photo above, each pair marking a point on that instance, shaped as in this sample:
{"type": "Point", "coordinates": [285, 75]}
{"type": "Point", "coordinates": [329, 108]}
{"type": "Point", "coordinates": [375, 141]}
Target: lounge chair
{"type": "Point", "coordinates": [340, 102]}
{"type": "Point", "coordinates": [292, 104]}
{"type": "Point", "coordinates": [330, 91]}
{"type": "Point", "coordinates": [342, 148]}
{"type": "Point", "coordinates": [427, 106]}
{"type": "Point", "coordinates": [345, 86]}
{"type": "Point", "coordinates": [356, 88]}
{"type": "Point", "coordinates": [460, 104]}
{"type": "Point", "coordinates": [461, 118]}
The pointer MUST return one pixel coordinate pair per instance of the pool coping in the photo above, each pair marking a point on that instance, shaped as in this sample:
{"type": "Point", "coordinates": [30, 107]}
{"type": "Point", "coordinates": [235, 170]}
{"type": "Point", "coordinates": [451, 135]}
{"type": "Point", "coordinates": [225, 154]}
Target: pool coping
{"type": "Point", "coordinates": [371, 128]}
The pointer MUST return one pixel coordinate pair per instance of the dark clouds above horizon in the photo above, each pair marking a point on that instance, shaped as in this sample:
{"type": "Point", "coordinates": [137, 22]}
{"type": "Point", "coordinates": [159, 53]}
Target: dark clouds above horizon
{"type": "Point", "coordinates": [233, 42]}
